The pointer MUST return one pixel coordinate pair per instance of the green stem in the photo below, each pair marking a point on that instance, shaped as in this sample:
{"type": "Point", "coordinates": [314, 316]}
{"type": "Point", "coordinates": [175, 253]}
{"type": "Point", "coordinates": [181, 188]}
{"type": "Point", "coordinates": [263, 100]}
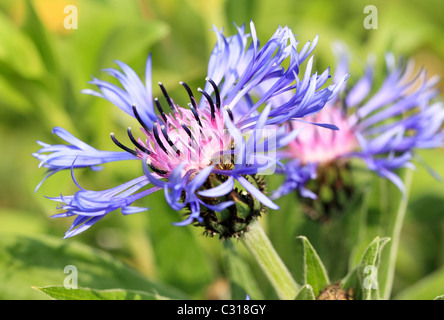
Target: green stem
{"type": "Point", "coordinates": [257, 242]}
{"type": "Point", "coordinates": [394, 232]}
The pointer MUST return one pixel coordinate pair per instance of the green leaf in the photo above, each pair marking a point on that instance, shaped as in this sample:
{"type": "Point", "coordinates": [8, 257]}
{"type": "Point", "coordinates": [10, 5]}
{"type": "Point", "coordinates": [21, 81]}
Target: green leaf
{"type": "Point", "coordinates": [41, 37]}
{"type": "Point", "coordinates": [115, 37]}
{"type": "Point", "coordinates": [352, 281]}
{"type": "Point", "coordinates": [315, 273]}
{"type": "Point", "coordinates": [153, 31]}
{"type": "Point", "coordinates": [27, 261]}
{"type": "Point", "coordinates": [62, 293]}
{"type": "Point", "coordinates": [184, 245]}
{"type": "Point", "coordinates": [18, 52]}
{"type": "Point", "coordinates": [306, 293]}
{"type": "Point", "coordinates": [363, 279]}
{"type": "Point", "coordinates": [369, 264]}
{"type": "Point", "coordinates": [242, 281]}
{"type": "Point", "coordinates": [425, 289]}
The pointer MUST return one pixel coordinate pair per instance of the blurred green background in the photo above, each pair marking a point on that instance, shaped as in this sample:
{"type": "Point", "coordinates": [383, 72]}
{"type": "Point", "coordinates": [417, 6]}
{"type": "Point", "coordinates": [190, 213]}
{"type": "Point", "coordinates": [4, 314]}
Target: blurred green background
{"type": "Point", "coordinates": [43, 67]}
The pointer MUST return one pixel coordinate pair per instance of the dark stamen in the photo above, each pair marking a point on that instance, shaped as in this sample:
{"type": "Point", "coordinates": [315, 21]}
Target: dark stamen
{"type": "Point", "coordinates": [133, 152]}
{"type": "Point", "coordinates": [230, 114]}
{"type": "Point", "coordinates": [157, 170]}
{"type": "Point", "coordinates": [187, 130]}
{"type": "Point", "coordinates": [165, 134]}
{"type": "Point", "coordinates": [136, 143]}
{"type": "Point", "coordinates": [167, 97]}
{"type": "Point", "coordinates": [213, 116]}
{"type": "Point", "coordinates": [194, 111]}
{"type": "Point", "coordinates": [156, 136]}
{"type": "Point", "coordinates": [136, 114]}
{"type": "Point", "coordinates": [216, 91]}
{"type": "Point", "coordinates": [190, 93]}
{"type": "Point", "coordinates": [159, 107]}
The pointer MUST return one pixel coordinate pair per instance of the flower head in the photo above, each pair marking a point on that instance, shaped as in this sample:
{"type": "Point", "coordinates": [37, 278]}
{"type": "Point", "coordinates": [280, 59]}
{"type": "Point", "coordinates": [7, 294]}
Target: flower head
{"type": "Point", "coordinates": [207, 157]}
{"type": "Point", "coordinates": [383, 127]}
{"type": "Point", "coordinates": [317, 145]}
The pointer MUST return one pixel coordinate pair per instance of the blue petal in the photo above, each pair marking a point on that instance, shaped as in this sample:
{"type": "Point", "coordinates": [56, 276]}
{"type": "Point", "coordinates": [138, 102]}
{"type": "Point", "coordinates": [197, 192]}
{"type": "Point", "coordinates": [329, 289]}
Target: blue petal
{"type": "Point", "coordinates": [85, 225]}
{"type": "Point", "coordinates": [220, 190]}
{"type": "Point", "coordinates": [219, 207]}
{"type": "Point", "coordinates": [199, 179]}
{"type": "Point", "coordinates": [256, 193]}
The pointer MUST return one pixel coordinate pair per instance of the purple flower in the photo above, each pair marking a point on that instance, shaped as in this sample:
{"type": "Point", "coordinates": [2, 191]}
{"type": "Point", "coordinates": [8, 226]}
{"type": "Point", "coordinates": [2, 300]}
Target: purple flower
{"type": "Point", "coordinates": [76, 154]}
{"type": "Point", "coordinates": [383, 126]}
{"type": "Point", "coordinates": [207, 158]}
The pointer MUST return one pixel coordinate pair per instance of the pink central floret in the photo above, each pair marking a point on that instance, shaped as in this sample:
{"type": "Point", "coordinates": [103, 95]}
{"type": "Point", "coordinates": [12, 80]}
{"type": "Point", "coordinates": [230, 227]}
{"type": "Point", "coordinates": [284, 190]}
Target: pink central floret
{"type": "Point", "coordinates": [184, 137]}
{"type": "Point", "coordinates": [316, 144]}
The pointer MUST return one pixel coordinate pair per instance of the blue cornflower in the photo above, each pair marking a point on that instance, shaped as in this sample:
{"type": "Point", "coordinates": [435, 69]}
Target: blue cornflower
{"type": "Point", "coordinates": [382, 126]}
{"type": "Point", "coordinates": [207, 158]}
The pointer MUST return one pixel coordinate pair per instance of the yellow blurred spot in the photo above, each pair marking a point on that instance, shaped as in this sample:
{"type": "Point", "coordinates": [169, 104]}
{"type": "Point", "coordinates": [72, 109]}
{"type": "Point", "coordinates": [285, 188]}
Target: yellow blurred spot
{"type": "Point", "coordinates": [51, 13]}
{"type": "Point", "coordinates": [432, 63]}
